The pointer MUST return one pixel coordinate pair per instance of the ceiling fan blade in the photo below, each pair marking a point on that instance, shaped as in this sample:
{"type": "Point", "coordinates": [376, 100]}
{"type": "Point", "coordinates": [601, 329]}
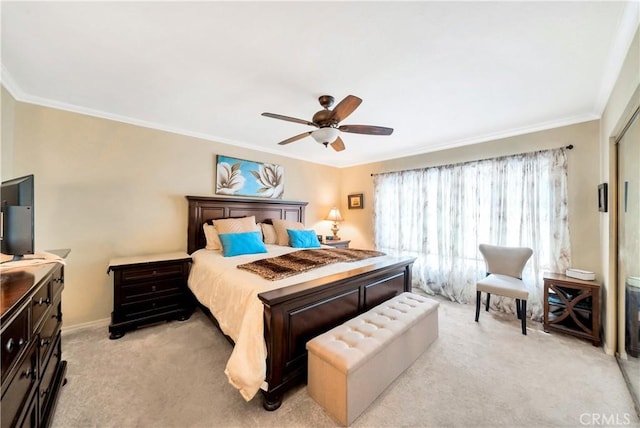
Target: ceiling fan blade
{"type": "Point", "coordinates": [289, 119]}
{"type": "Point", "coordinates": [345, 108]}
{"type": "Point", "coordinates": [295, 138]}
{"type": "Point", "coordinates": [366, 129]}
{"type": "Point", "coordinates": [338, 145]}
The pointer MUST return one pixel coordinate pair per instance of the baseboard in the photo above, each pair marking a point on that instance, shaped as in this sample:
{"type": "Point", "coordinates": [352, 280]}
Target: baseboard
{"type": "Point", "coordinates": [91, 324]}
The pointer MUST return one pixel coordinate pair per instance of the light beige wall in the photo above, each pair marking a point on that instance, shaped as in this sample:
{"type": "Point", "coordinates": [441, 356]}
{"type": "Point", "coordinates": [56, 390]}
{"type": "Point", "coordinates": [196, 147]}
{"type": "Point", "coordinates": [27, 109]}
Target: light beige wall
{"type": "Point", "coordinates": [106, 189]}
{"type": "Point", "coordinates": [583, 163]}
{"type": "Point", "coordinates": [621, 102]}
{"type": "Point", "coordinates": [7, 113]}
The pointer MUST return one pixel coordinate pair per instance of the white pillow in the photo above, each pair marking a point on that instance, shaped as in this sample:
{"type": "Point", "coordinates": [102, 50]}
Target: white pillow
{"type": "Point", "coordinates": [236, 225]}
{"type": "Point", "coordinates": [269, 233]}
{"type": "Point", "coordinates": [211, 235]}
{"type": "Point", "coordinates": [281, 227]}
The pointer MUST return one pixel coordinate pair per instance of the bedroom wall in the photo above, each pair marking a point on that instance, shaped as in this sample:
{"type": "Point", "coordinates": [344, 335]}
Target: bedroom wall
{"type": "Point", "coordinates": [106, 189]}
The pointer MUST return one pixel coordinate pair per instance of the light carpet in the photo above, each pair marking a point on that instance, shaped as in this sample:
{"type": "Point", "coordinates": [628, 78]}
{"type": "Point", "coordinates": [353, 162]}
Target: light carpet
{"type": "Point", "coordinates": [484, 374]}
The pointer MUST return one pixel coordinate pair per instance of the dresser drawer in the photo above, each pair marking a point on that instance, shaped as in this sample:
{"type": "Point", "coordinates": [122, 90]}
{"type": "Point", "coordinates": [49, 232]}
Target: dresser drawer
{"type": "Point", "coordinates": [57, 282]}
{"type": "Point", "coordinates": [152, 307]}
{"type": "Point", "coordinates": [48, 373]}
{"type": "Point", "coordinates": [20, 387]}
{"type": "Point", "coordinates": [40, 304]}
{"type": "Point", "coordinates": [50, 329]}
{"type": "Point", "coordinates": [15, 339]}
{"type": "Point", "coordinates": [151, 273]}
{"type": "Point", "coordinates": [151, 290]}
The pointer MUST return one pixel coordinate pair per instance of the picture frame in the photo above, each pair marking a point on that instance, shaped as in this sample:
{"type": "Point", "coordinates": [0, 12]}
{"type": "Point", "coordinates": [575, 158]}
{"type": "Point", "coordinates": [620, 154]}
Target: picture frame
{"type": "Point", "coordinates": [240, 177]}
{"type": "Point", "coordinates": [602, 197]}
{"type": "Point", "coordinates": [355, 201]}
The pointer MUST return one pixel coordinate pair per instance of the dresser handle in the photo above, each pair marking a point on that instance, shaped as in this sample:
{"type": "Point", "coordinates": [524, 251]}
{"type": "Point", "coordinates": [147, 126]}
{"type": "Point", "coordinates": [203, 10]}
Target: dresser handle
{"type": "Point", "coordinates": [45, 392]}
{"type": "Point", "coordinates": [41, 302]}
{"type": "Point", "coordinates": [45, 342]}
{"type": "Point", "coordinates": [58, 280]}
{"type": "Point", "coordinates": [155, 272]}
{"type": "Point", "coordinates": [9, 345]}
{"type": "Point", "coordinates": [153, 288]}
{"type": "Point", "coordinates": [31, 373]}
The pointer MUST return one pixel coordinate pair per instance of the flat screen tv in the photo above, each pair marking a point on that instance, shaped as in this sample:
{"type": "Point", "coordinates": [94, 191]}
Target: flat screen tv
{"type": "Point", "coordinates": [17, 202]}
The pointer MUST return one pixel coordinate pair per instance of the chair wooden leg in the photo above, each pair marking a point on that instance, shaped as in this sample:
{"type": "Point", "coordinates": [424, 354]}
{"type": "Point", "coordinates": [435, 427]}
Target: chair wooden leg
{"type": "Point", "coordinates": [518, 308]}
{"type": "Point", "coordinates": [478, 297]}
{"type": "Point", "coordinates": [523, 312]}
{"type": "Point", "coordinates": [487, 306]}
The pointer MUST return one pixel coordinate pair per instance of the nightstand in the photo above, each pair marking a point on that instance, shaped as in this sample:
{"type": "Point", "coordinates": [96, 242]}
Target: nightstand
{"type": "Point", "coordinates": [337, 244]}
{"type": "Point", "coordinates": [148, 289]}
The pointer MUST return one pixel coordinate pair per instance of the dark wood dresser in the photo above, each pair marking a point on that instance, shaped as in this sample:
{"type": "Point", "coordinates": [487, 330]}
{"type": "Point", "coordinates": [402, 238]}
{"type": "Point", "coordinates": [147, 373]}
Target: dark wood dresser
{"type": "Point", "coordinates": [148, 289]}
{"type": "Point", "coordinates": [32, 367]}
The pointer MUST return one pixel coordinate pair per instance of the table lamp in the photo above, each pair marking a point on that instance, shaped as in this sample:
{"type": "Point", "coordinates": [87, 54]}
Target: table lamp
{"type": "Point", "coordinates": [335, 217]}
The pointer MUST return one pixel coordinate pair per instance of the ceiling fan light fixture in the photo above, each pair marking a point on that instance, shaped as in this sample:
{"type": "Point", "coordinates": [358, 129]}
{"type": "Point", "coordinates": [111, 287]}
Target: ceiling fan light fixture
{"type": "Point", "coordinates": [325, 135]}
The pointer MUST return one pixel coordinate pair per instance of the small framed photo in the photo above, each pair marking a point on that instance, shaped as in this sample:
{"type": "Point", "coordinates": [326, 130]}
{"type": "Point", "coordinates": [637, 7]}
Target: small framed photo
{"type": "Point", "coordinates": [356, 201]}
{"type": "Point", "coordinates": [602, 197]}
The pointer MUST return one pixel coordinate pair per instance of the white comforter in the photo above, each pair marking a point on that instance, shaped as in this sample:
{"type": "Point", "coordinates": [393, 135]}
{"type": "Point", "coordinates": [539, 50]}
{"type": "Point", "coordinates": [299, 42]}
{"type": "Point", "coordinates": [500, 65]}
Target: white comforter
{"type": "Point", "coordinates": [231, 295]}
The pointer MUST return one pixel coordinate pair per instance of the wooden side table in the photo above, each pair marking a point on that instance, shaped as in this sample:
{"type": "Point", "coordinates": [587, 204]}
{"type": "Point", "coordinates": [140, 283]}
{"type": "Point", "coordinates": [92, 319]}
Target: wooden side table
{"type": "Point", "coordinates": [148, 289]}
{"type": "Point", "coordinates": [337, 244]}
{"type": "Point", "coordinates": [572, 306]}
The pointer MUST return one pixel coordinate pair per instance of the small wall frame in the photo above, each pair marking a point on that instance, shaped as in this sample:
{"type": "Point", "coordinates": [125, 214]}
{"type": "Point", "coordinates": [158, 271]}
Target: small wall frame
{"type": "Point", "coordinates": [355, 201]}
{"type": "Point", "coordinates": [602, 197]}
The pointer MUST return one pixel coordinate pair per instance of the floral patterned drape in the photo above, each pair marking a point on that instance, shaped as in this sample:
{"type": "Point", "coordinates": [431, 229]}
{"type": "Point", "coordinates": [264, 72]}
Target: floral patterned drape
{"type": "Point", "coordinates": [441, 214]}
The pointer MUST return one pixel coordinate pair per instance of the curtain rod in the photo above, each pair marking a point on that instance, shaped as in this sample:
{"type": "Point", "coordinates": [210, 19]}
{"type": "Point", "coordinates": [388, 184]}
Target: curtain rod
{"type": "Point", "coordinates": [568, 147]}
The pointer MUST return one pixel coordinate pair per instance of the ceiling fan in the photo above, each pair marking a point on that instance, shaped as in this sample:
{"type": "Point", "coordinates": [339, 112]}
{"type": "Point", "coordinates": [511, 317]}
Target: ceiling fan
{"type": "Point", "coordinates": [328, 123]}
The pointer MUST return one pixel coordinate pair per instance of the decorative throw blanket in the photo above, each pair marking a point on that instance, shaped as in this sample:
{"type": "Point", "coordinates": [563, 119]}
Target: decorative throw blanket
{"type": "Point", "coordinates": [280, 267]}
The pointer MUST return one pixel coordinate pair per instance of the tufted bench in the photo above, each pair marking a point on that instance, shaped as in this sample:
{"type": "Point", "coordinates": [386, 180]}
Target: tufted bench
{"type": "Point", "coordinates": [350, 365]}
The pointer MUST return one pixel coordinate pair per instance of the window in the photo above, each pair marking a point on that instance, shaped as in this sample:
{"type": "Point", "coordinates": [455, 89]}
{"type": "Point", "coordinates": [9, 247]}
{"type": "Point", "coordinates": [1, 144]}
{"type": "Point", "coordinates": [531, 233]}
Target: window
{"type": "Point", "coordinates": [441, 214]}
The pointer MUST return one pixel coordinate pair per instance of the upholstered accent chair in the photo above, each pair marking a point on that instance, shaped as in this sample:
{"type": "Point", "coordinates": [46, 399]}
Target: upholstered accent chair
{"type": "Point", "coordinates": [504, 277]}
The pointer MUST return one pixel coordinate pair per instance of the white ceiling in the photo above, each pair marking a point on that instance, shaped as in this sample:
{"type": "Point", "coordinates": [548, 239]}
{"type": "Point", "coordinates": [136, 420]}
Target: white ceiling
{"type": "Point", "coordinates": [442, 74]}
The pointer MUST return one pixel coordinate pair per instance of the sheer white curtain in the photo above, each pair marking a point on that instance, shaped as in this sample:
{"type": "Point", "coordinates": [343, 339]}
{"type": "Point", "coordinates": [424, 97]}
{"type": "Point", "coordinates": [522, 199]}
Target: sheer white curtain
{"type": "Point", "coordinates": [441, 214]}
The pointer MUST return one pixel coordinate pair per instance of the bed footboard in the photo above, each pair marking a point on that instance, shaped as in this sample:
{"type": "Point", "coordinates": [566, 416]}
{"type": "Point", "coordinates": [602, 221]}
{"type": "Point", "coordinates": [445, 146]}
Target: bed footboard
{"type": "Point", "coordinates": [293, 315]}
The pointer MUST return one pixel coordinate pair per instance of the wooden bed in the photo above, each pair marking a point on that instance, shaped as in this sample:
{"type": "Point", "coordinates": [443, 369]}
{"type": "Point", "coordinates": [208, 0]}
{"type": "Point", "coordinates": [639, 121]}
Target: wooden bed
{"type": "Point", "coordinates": [297, 313]}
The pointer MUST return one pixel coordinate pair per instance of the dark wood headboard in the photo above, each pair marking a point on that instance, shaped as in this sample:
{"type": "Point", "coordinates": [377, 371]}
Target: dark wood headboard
{"type": "Point", "coordinates": [203, 209]}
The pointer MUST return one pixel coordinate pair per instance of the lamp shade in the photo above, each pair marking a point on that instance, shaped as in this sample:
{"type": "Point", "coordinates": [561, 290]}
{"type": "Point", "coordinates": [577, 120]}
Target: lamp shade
{"type": "Point", "coordinates": [334, 215]}
{"type": "Point", "coordinates": [325, 135]}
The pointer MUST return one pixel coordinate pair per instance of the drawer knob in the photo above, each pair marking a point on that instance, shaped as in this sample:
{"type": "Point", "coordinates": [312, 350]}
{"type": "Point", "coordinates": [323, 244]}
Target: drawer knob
{"type": "Point", "coordinates": [155, 272]}
{"type": "Point", "coordinates": [44, 342]}
{"type": "Point", "coordinates": [58, 280]}
{"type": "Point", "coordinates": [153, 288]}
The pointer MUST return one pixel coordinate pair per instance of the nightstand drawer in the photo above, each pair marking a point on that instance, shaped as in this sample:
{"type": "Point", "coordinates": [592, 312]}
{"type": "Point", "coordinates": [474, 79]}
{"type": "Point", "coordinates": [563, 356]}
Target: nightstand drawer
{"type": "Point", "coordinates": [152, 307]}
{"type": "Point", "coordinates": [135, 275]}
{"type": "Point", "coordinates": [151, 290]}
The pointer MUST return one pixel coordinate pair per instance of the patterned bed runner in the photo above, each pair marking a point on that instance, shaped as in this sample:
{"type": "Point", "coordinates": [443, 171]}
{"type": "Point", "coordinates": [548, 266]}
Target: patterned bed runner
{"type": "Point", "coordinates": [280, 267]}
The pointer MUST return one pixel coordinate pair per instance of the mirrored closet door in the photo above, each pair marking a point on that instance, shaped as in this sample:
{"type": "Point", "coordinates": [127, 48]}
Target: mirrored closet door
{"type": "Point", "coordinates": [628, 208]}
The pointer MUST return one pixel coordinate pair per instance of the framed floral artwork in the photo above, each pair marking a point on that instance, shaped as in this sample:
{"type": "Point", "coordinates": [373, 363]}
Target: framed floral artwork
{"type": "Point", "coordinates": [239, 177]}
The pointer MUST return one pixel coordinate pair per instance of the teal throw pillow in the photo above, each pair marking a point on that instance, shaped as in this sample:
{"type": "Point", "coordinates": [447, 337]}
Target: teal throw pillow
{"type": "Point", "coordinates": [235, 244]}
{"type": "Point", "coordinates": [303, 238]}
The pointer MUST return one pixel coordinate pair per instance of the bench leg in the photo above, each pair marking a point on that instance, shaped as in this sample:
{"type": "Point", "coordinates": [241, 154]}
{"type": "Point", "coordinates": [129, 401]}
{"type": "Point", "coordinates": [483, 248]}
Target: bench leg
{"type": "Point", "coordinates": [478, 297]}
{"type": "Point", "coordinates": [518, 308]}
{"type": "Point", "coordinates": [488, 298]}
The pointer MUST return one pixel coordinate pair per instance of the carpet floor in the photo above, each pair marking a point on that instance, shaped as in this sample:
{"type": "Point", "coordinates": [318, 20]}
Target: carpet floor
{"type": "Point", "coordinates": [484, 374]}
